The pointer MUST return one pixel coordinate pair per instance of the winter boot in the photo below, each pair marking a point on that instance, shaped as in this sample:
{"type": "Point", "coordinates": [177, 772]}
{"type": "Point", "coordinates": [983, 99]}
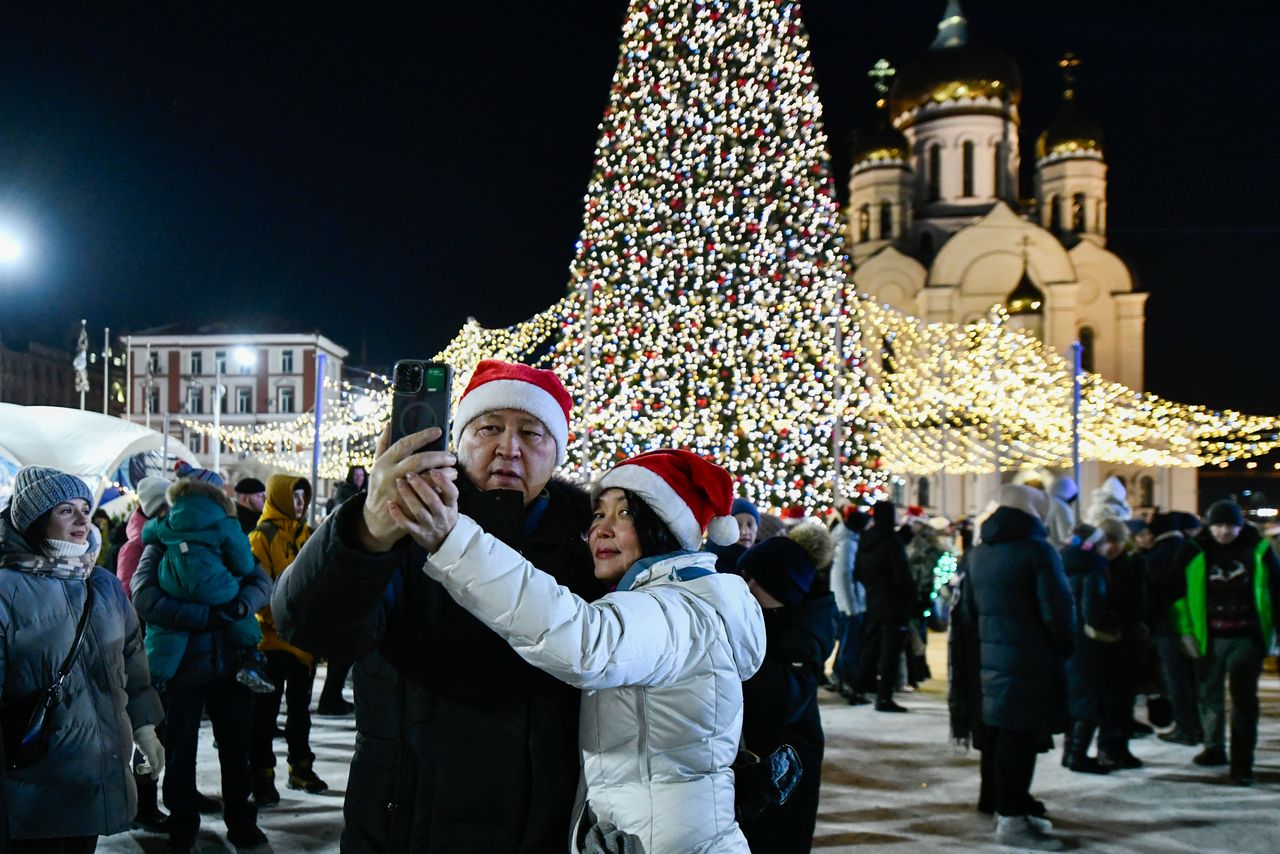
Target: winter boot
{"type": "Point", "coordinates": [302, 777]}
{"type": "Point", "coordinates": [264, 788]}
{"type": "Point", "coordinates": [246, 836]}
{"type": "Point", "coordinates": [150, 817]}
{"type": "Point", "coordinates": [1076, 754]}
{"type": "Point", "coordinates": [1210, 757]}
{"type": "Point", "coordinates": [1017, 831]}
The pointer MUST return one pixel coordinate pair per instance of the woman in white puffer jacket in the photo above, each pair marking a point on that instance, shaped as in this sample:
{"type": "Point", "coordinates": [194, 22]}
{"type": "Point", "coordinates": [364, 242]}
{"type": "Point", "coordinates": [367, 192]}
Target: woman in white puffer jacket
{"type": "Point", "coordinates": [660, 660]}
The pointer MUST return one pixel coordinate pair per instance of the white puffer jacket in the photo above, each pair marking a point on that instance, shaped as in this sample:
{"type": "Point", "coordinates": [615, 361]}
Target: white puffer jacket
{"type": "Point", "coordinates": [661, 663]}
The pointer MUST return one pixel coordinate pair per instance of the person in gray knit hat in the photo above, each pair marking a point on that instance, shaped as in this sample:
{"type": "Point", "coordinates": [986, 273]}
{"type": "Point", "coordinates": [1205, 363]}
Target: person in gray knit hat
{"type": "Point", "coordinates": [77, 785]}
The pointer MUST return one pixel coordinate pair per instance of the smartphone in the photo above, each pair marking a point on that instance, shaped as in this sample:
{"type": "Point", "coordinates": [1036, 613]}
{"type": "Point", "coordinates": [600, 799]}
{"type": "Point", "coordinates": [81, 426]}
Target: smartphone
{"type": "Point", "coordinates": [421, 399]}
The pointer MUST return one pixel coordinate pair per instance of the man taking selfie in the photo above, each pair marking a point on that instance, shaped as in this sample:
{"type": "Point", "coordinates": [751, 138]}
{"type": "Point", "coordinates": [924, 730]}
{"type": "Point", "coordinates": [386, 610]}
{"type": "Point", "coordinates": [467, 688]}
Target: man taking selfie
{"type": "Point", "coordinates": [461, 746]}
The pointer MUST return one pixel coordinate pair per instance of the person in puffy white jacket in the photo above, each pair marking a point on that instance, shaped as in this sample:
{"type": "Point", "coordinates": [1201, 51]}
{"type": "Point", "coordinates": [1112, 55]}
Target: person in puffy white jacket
{"type": "Point", "coordinates": [660, 660]}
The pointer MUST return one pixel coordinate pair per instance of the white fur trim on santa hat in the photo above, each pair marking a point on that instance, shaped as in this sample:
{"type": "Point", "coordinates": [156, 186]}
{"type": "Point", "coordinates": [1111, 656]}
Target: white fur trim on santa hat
{"type": "Point", "coordinates": [659, 495]}
{"type": "Point", "coordinates": [513, 394]}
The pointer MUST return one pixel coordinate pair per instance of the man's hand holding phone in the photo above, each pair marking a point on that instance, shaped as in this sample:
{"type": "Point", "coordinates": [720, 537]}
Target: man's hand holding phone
{"type": "Point", "coordinates": [392, 466]}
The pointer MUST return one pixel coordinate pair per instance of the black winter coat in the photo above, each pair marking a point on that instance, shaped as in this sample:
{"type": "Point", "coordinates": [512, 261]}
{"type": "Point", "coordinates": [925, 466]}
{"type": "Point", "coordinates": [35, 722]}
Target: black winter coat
{"type": "Point", "coordinates": [210, 655]}
{"type": "Point", "coordinates": [1026, 624]}
{"type": "Point", "coordinates": [882, 568]}
{"type": "Point", "coordinates": [1086, 572]}
{"type": "Point", "coordinates": [461, 745]}
{"type": "Point", "coordinates": [780, 706]}
{"type": "Point", "coordinates": [1165, 585]}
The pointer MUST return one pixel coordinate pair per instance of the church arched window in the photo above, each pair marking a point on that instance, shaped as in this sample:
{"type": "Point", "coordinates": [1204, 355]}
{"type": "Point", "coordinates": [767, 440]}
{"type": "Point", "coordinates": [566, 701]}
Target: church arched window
{"type": "Point", "coordinates": [998, 173]}
{"type": "Point", "coordinates": [864, 223]}
{"type": "Point", "coordinates": [922, 492]}
{"type": "Point", "coordinates": [935, 172]}
{"type": "Point", "coordinates": [886, 220]}
{"type": "Point", "coordinates": [1077, 213]}
{"type": "Point", "coordinates": [967, 150]}
{"type": "Point", "coordinates": [1055, 215]}
{"type": "Point", "coordinates": [1146, 491]}
{"type": "Point", "coordinates": [1086, 348]}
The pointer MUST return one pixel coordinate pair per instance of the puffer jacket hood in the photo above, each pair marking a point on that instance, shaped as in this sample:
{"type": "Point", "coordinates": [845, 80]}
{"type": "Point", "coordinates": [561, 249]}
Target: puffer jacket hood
{"type": "Point", "coordinates": [1064, 488]}
{"type": "Point", "coordinates": [197, 511]}
{"type": "Point", "coordinates": [278, 507]}
{"type": "Point", "coordinates": [1007, 524]}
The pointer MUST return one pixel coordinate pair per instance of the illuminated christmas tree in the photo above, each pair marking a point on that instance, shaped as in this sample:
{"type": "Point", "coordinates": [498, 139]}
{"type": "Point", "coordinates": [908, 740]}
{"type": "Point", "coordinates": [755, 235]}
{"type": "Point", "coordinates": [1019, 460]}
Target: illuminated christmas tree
{"type": "Point", "coordinates": [710, 273]}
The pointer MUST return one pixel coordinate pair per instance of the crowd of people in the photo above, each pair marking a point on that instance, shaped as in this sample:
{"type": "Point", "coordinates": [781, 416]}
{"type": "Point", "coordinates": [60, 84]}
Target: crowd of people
{"type": "Point", "coordinates": [642, 658]}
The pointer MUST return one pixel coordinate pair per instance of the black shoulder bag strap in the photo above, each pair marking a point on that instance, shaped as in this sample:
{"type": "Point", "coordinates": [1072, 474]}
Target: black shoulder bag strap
{"type": "Point", "coordinates": [32, 746]}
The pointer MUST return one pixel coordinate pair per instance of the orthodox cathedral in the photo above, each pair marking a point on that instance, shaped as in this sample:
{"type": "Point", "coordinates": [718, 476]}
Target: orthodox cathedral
{"type": "Point", "coordinates": [938, 229]}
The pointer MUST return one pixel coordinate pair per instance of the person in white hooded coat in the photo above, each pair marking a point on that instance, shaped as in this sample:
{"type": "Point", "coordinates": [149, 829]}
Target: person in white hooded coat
{"type": "Point", "coordinates": [661, 660]}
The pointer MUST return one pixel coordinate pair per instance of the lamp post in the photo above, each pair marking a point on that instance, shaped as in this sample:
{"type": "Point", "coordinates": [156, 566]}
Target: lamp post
{"type": "Point", "coordinates": [244, 358]}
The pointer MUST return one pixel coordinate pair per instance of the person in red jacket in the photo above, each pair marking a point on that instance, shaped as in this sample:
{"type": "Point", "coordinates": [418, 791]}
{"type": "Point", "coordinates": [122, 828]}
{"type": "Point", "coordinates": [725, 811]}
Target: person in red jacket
{"type": "Point", "coordinates": [152, 504]}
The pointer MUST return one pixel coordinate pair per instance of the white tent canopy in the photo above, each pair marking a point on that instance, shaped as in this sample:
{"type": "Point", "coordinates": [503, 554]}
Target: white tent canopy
{"type": "Point", "coordinates": [87, 444]}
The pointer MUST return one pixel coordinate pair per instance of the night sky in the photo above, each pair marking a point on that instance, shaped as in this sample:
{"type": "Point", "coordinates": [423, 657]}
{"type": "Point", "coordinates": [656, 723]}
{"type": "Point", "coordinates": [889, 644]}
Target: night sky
{"type": "Point", "coordinates": [381, 172]}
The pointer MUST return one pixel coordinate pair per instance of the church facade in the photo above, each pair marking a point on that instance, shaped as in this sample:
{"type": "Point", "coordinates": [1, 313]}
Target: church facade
{"type": "Point", "coordinates": [938, 230]}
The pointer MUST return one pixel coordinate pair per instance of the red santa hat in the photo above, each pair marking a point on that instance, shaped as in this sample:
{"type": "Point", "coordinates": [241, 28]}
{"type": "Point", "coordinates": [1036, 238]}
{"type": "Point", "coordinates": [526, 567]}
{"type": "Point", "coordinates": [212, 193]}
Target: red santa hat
{"type": "Point", "coordinates": [687, 492]}
{"type": "Point", "coordinates": [505, 385]}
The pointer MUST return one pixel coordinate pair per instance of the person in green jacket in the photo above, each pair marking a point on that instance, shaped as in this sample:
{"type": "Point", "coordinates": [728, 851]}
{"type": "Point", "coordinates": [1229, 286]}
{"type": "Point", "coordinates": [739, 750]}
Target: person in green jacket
{"type": "Point", "coordinates": [1226, 618]}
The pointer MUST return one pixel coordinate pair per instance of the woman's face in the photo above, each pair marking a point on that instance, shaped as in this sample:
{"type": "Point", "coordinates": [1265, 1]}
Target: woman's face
{"type": "Point", "coordinates": [69, 521]}
{"type": "Point", "coordinates": [612, 536]}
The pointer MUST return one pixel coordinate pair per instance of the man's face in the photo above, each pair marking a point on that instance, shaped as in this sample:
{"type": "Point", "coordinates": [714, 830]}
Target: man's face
{"type": "Point", "coordinates": [1224, 533]}
{"type": "Point", "coordinates": [508, 449]}
{"type": "Point", "coordinates": [252, 500]}
{"type": "Point", "coordinates": [1144, 538]}
{"type": "Point", "coordinates": [299, 503]}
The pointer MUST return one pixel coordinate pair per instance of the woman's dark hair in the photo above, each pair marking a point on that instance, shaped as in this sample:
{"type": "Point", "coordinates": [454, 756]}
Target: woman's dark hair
{"type": "Point", "coordinates": [35, 531]}
{"type": "Point", "coordinates": [654, 535]}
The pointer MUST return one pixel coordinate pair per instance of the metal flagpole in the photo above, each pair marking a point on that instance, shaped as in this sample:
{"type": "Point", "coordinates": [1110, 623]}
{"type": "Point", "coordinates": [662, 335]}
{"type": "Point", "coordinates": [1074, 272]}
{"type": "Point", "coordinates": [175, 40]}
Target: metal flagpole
{"type": "Point", "coordinates": [1076, 350]}
{"type": "Point", "coordinates": [149, 382]}
{"type": "Point", "coordinates": [128, 375]}
{"type": "Point", "coordinates": [315, 449]}
{"type": "Point", "coordinates": [217, 413]}
{"type": "Point", "coordinates": [106, 369]}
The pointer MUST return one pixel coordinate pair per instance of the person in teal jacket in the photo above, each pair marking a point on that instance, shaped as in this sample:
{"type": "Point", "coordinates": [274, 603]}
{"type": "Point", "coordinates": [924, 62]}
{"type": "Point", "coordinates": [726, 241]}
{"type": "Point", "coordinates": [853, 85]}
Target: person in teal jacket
{"type": "Point", "coordinates": [1226, 618]}
{"type": "Point", "coordinates": [206, 557]}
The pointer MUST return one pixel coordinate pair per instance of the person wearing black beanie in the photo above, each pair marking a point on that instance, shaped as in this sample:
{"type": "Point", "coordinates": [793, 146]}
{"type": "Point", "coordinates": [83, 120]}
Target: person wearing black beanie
{"type": "Point", "coordinates": [251, 495]}
{"type": "Point", "coordinates": [1226, 619]}
{"type": "Point", "coordinates": [780, 702]}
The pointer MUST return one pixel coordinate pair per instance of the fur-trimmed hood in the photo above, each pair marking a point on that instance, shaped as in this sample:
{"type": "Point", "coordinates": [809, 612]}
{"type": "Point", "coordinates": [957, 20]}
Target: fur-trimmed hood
{"type": "Point", "coordinates": [186, 487]}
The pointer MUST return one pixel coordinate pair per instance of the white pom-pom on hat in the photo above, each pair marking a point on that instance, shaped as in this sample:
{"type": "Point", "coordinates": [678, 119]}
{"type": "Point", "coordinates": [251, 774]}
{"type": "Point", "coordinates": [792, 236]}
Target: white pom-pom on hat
{"type": "Point", "coordinates": [723, 530]}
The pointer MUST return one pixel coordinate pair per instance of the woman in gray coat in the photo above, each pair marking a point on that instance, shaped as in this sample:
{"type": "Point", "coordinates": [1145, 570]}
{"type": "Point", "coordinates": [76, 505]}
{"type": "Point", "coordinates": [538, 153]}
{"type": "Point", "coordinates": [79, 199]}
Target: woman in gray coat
{"type": "Point", "coordinates": [81, 785]}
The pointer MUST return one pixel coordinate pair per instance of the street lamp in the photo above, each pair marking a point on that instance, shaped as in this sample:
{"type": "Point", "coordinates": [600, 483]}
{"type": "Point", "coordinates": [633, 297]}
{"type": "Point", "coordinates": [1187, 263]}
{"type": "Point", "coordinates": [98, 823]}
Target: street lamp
{"type": "Point", "coordinates": [245, 358]}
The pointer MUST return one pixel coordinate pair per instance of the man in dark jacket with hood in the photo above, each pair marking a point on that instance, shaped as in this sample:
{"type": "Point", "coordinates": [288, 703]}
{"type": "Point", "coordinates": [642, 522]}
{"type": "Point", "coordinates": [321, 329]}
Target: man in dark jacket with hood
{"type": "Point", "coordinates": [881, 568]}
{"type": "Point", "coordinates": [1026, 624]}
{"type": "Point", "coordinates": [1226, 619]}
{"type": "Point", "coordinates": [1164, 587]}
{"type": "Point", "coordinates": [461, 745]}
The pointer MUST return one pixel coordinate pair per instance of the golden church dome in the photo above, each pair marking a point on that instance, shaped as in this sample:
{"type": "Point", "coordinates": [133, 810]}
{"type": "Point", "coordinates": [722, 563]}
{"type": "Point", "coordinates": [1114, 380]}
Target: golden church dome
{"type": "Point", "coordinates": [881, 145]}
{"type": "Point", "coordinates": [1069, 133]}
{"type": "Point", "coordinates": [954, 70]}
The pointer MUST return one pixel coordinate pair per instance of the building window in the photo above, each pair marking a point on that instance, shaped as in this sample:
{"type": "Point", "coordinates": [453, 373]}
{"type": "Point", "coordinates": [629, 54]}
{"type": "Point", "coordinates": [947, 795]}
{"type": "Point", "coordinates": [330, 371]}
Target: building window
{"type": "Point", "coordinates": [1077, 213]}
{"type": "Point", "coordinates": [153, 395]}
{"type": "Point", "coordinates": [1055, 215]}
{"type": "Point", "coordinates": [922, 492]}
{"type": "Point", "coordinates": [1146, 491]}
{"type": "Point", "coordinates": [1086, 349]}
{"type": "Point", "coordinates": [244, 400]}
{"type": "Point", "coordinates": [935, 172]}
{"type": "Point", "coordinates": [197, 363]}
{"type": "Point", "coordinates": [153, 362]}
{"type": "Point", "coordinates": [886, 220]}
{"type": "Point", "coordinates": [285, 400]}
{"type": "Point", "coordinates": [967, 148]}
{"type": "Point", "coordinates": [864, 224]}
{"type": "Point", "coordinates": [997, 174]}
{"type": "Point", "coordinates": [220, 360]}
{"type": "Point", "coordinates": [195, 400]}
{"type": "Point", "coordinates": [286, 361]}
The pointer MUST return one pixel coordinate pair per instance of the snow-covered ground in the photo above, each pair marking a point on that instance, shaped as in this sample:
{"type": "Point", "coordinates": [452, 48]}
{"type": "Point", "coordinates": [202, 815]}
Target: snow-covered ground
{"type": "Point", "coordinates": [894, 783]}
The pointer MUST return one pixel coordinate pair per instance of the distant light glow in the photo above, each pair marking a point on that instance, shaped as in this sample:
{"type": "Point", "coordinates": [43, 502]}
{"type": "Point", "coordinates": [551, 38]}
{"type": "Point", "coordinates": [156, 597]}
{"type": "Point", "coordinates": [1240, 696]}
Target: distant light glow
{"type": "Point", "coordinates": [11, 250]}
